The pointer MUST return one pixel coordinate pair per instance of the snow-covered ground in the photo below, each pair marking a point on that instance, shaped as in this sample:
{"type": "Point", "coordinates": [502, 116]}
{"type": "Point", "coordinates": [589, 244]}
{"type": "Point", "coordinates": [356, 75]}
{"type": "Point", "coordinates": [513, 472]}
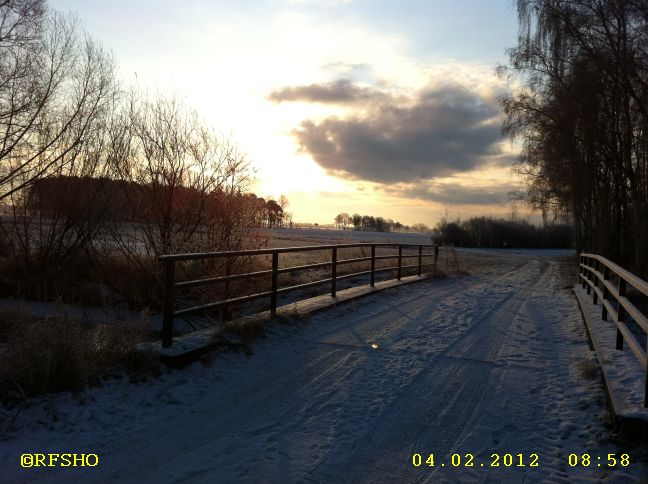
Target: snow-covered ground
{"type": "Point", "coordinates": [313, 236]}
{"type": "Point", "coordinates": [496, 362]}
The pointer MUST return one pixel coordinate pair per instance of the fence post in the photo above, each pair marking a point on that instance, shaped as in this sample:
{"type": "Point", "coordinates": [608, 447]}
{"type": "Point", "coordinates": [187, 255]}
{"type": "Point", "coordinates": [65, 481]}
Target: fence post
{"type": "Point", "coordinates": [620, 313]}
{"type": "Point", "coordinates": [334, 272]}
{"type": "Point", "coordinates": [167, 315]}
{"type": "Point", "coordinates": [436, 257]}
{"type": "Point", "coordinates": [400, 261]}
{"type": "Point", "coordinates": [273, 289]}
{"type": "Point", "coordinates": [420, 259]}
{"type": "Point", "coordinates": [228, 272]}
{"type": "Point", "coordinates": [606, 276]}
{"type": "Point", "coordinates": [589, 275]}
{"type": "Point", "coordinates": [373, 265]}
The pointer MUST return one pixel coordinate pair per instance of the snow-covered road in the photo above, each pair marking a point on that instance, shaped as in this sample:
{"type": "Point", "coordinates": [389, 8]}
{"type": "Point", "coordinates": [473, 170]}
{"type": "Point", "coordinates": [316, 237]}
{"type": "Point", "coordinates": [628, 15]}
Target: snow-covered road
{"type": "Point", "coordinates": [483, 365]}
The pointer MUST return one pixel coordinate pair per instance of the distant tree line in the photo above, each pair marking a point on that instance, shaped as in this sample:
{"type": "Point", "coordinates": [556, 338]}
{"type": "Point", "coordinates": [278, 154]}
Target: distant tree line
{"type": "Point", "coordinates": [582, 115]}
{"type": "Point", "coordinates": [356, 221]}
{"type": "Point", "coordinates": [97, 199]}
{"type": "Point", "coordinates": [499, 233]}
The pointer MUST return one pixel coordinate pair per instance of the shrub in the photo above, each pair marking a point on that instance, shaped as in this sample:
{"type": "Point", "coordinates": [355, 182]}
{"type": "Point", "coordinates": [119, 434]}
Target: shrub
{"type": "Point", "coordinates": [54, 354]}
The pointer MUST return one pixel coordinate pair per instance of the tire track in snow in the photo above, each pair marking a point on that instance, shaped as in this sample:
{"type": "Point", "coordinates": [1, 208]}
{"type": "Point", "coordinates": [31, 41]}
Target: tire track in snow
{"type": "Point", "coordinates": [188, 433]}
{"type": "Point", "coordinates": [387, 320]}
{"type": "Point", "coordinates": [379, 326]}
{"type": "Point", "coordinates": [443, 400]}
{"type": "Point", "coordinates": [537, 411]}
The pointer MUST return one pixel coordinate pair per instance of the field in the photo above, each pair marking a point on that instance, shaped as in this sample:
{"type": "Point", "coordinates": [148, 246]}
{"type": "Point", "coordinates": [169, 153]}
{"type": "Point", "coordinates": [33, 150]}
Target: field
{"type": "Point", "coordinates": [298, 237]}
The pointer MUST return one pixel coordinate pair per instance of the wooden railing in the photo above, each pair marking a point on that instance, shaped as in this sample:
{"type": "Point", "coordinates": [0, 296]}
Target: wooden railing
{"type": "Point", "coordinates": [609, 283]}
{"type": "Point", "coordinates": [171, 285]}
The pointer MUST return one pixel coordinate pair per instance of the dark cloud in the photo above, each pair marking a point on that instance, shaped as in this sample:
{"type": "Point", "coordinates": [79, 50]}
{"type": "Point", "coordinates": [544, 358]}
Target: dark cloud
{"type": "Point", "coordinates": [456, 194]}
{"type": "Point", "coordinates": [441, 131]}
{"type": "Point", "coordinates": [341, 91]}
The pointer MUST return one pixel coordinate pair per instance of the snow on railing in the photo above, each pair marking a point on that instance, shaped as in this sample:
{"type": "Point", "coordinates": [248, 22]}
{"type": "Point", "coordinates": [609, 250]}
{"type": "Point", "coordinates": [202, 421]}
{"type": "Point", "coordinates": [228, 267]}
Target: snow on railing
{"type": "Point", "coordinates": [170, 284]}
{"type": "Point", "coordinates": [609, 282]}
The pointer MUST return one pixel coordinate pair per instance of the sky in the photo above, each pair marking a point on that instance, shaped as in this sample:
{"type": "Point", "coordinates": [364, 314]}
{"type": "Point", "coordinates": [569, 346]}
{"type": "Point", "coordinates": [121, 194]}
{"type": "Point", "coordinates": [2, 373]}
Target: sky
{"type": "Point", "coordinates": [384, 108]}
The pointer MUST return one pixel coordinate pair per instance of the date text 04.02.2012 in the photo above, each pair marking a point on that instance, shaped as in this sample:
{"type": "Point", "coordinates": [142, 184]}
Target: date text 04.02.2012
{"type": "Point", "coordinates": [468, 460]}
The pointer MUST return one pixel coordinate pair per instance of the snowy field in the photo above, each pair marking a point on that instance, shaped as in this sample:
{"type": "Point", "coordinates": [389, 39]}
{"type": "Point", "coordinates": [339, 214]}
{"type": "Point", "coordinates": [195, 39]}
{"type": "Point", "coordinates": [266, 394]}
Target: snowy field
{"type": "Point", "coordinates": [312, 236]}
{"type": "Point", "coordinates": [491, 363]}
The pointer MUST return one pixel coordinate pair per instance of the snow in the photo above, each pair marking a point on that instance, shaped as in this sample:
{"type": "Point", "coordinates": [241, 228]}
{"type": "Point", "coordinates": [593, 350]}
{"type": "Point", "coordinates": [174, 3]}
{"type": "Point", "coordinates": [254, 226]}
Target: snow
{"type": "Point", "coordinates": [313, 236]}
{"type": "Point", "coordinates": [490, 363]}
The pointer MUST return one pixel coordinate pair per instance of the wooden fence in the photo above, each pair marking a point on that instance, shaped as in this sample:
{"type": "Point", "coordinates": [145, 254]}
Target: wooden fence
{"type": "Point", "coordinates": [422, 253]}
{"type": "Point", "coordinates": [609, 283]}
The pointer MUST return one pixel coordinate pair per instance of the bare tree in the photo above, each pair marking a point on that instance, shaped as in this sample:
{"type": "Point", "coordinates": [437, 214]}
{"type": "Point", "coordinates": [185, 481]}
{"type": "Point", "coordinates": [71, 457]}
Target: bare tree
{"type": "Point", "coordinates": [339, 220]}
{"type": "Point", "coordinates": [182, 189]}
{"type": "Point", "coordinates": [582, 115]}
{"type": "Point", "coordinates": [178, 172]}
{"type": "Point", "coordinates": [57, 90]}
{"type": "Point", "coordinates": [55, 82]}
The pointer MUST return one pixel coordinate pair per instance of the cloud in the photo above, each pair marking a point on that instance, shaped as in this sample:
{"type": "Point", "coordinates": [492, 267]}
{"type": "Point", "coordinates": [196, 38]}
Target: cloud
{"type": "Point", "coordinates": [442, 130]}
{"type": "Point", "coordinates": [340, 91]}
{"type": "Point", "coordinates": [455, 193]}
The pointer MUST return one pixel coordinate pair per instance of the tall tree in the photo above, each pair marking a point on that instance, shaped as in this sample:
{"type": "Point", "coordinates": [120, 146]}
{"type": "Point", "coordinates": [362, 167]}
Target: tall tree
{"type": "Point", "coordinates": [582, 116]}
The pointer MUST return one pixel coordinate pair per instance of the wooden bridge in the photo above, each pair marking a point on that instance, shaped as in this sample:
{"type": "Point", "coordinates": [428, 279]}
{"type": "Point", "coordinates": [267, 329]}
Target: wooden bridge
{"type": "Point", "coordinates": [426, 257]}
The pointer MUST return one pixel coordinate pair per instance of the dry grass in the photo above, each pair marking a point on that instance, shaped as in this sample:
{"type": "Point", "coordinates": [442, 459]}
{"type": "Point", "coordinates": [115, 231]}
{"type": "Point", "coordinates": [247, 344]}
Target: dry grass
{"type": "Point", "coordinates": [292, 316]}
{"type": "Point", "coordinates": [44, 280]}
{"type": "Point", "coordinates": [242, 333]}
{"type": "Point", "coordinates": [139, 286]}
{"type": "Point", "coordinates": [54, 354]}
{"type": "Point", "coordinates": [588, 369]}
{"type": "Point", "coordinates": [448, 262]}
{"type": "Point", "coordinates": [98, 280]}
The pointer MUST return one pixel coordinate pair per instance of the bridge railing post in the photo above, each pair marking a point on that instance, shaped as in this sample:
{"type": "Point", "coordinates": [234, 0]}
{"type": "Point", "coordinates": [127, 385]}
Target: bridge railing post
{"type": "Point", "coordinates": [273, 283]}
{"type": "Point", "coordinates": [333, 271]}
{"type": "Point", "coordinates": [373, 265]}
{"type": "Point", "coordinates": [606, 276]}
{"type": "Point", "coordinates": [620, 313]}
{"type": "Point", "coordinates": [226, 289]}
{"type": "Point", "coordinates": [168, 296]}
{"type": "Point", "coordinates": [400, 261]}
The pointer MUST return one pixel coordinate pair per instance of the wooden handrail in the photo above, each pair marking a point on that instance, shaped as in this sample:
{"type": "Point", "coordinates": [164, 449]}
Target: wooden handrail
{"type": "Point", "coordinates": [635, 281]}
{"type": "Point", "coordinates": [170, 284]}
{"type": "Point", "coordinates": [306, 248]}
{"type": "Point", "coordinates": [595, 272]}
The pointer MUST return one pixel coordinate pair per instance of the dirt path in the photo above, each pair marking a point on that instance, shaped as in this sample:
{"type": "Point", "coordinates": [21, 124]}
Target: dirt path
{"type": "Point", "coordinates": [492, 363]}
